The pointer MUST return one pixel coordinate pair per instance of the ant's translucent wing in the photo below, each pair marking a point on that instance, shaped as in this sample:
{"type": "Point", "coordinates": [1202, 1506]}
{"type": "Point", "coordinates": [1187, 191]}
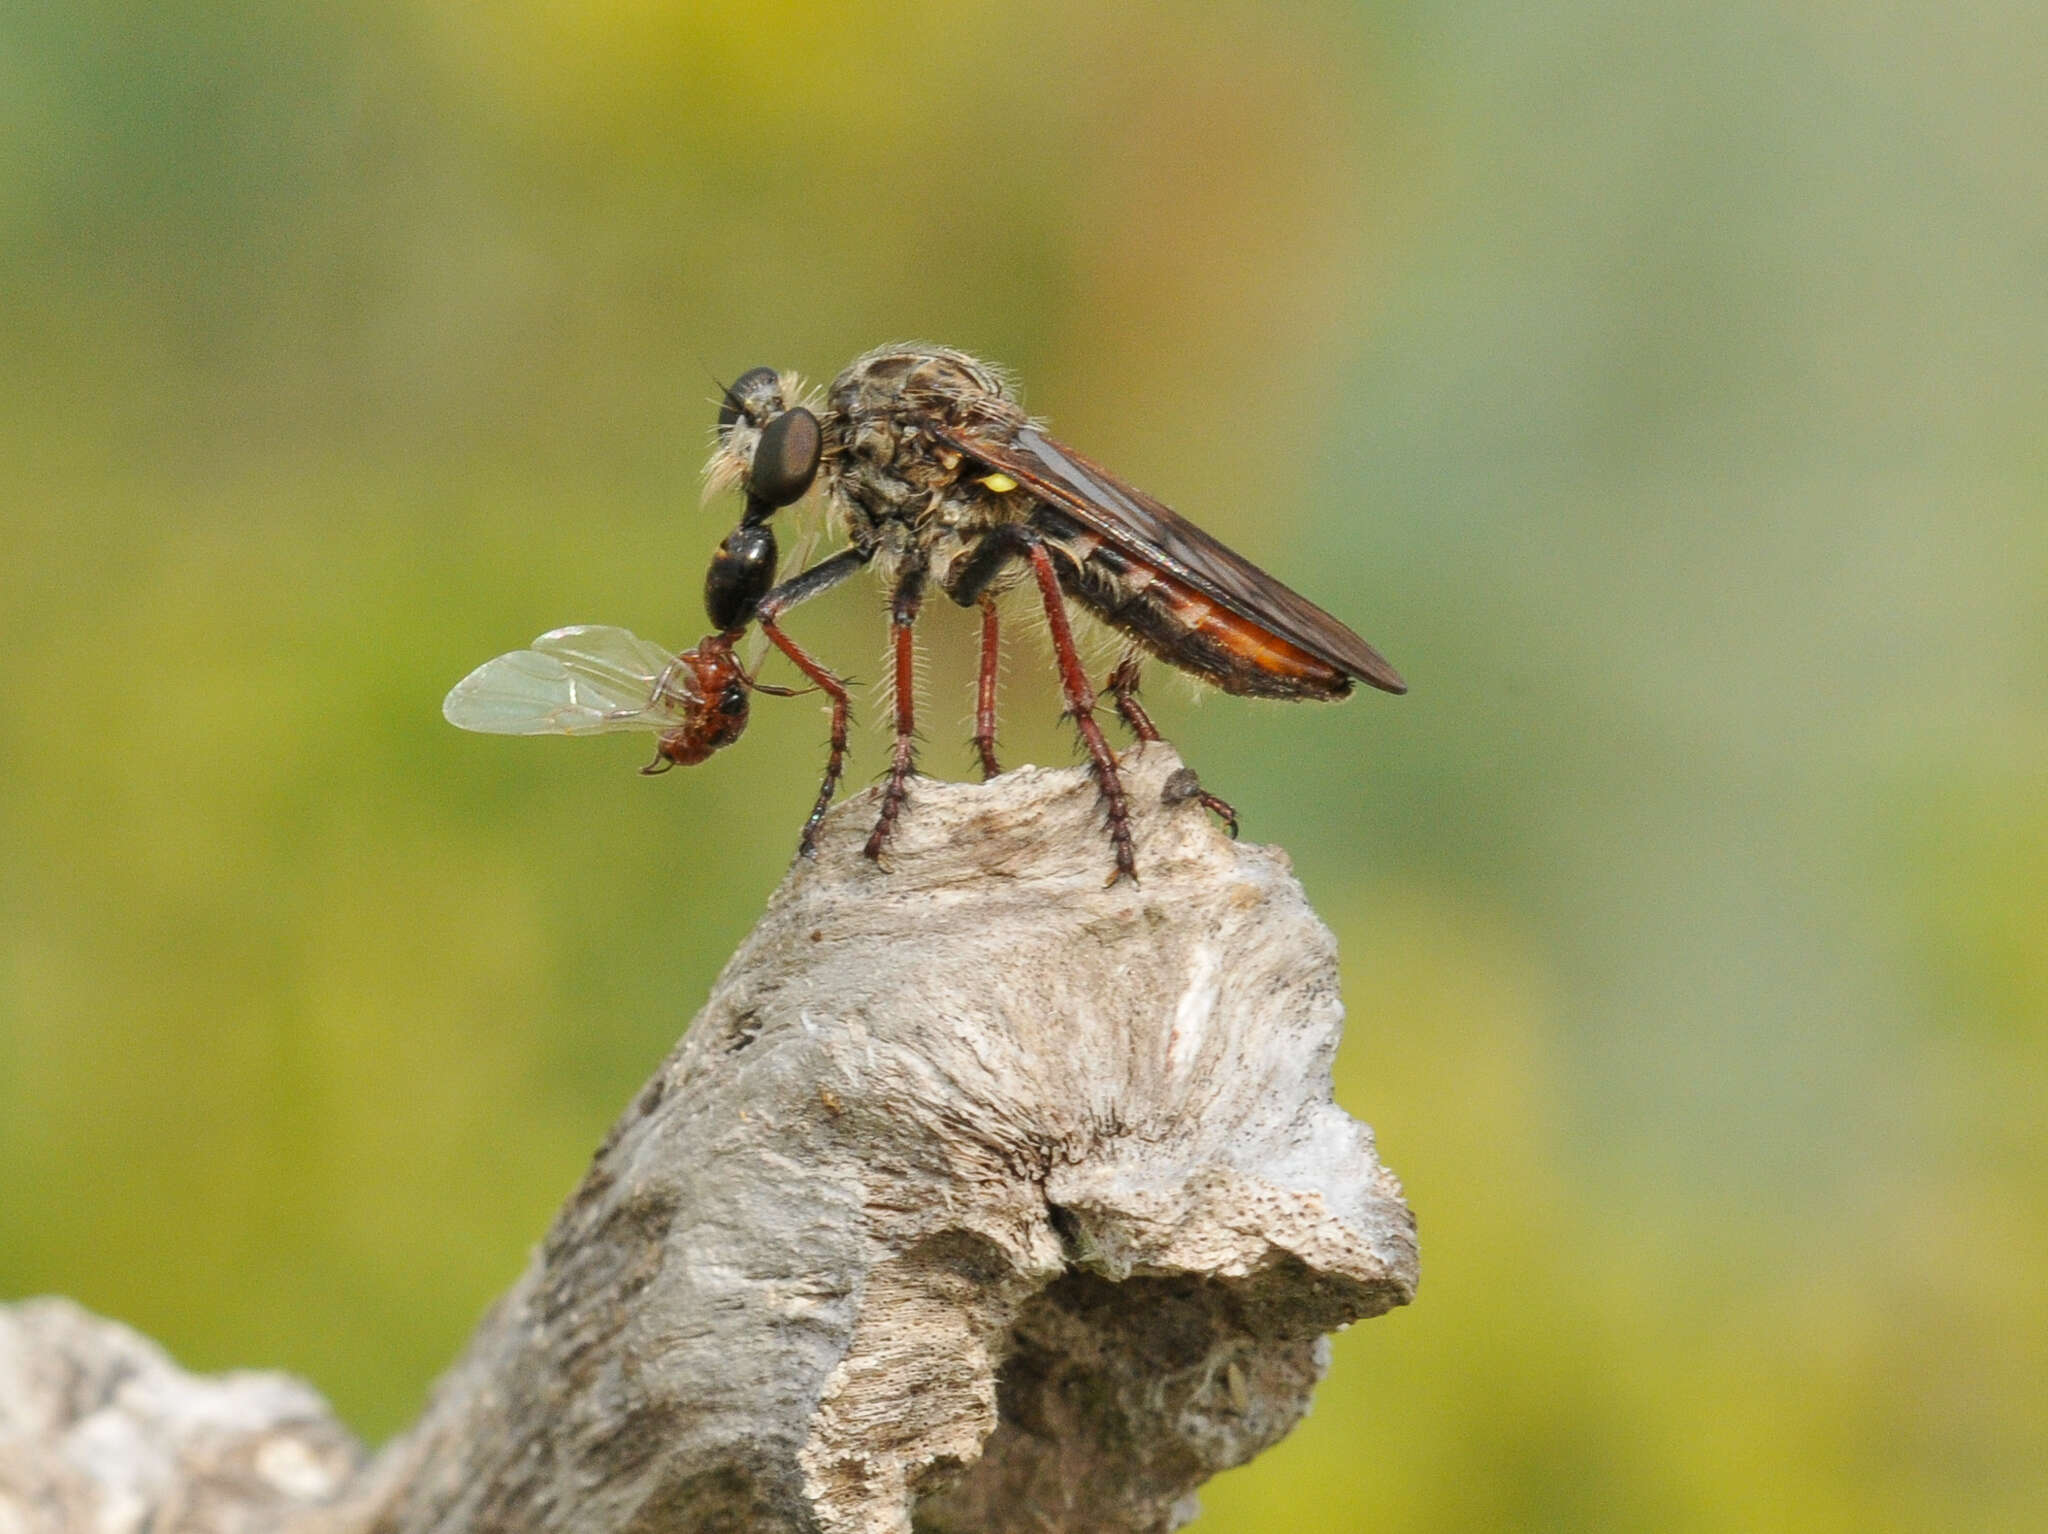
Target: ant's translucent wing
{"type": "Point", "coordinates": [587, 679]}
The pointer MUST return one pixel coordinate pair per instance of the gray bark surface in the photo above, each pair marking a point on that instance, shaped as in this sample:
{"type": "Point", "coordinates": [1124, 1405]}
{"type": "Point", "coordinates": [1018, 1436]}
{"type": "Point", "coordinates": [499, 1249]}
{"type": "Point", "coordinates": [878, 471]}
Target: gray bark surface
{"type": "Point", "coordinates": [981, 1196]}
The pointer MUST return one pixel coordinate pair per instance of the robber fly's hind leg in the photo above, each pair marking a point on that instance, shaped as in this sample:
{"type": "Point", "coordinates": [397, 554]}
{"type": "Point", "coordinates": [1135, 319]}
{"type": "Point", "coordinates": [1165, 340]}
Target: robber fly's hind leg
{"type": "Point", "coordinates": [1081, 708]}
{"type": "Point", "coordinates": [1123, 686]}
{"type": "Point", "coordinates": [820, 577]}
{"type": "Point", "coordinates": [985, 689]}
{"type": "Point", "coordinates": [903, 759]}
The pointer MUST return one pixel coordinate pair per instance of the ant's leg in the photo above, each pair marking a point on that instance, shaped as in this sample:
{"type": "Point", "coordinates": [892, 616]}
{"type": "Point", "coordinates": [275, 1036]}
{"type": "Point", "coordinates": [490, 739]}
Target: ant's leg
{"type": "Point", "coordinates": [985, 690]}
{"type": "Point", "coordinates": [662, 761]}
{"type": "Point", "coordinates": [903, 760]}
{"type": "Point", "coordinates": [820, 577]}
{"type": "Point", "coordinates": [1123, 686]}
{"type": "Point", "coordinates": [1081, 708]}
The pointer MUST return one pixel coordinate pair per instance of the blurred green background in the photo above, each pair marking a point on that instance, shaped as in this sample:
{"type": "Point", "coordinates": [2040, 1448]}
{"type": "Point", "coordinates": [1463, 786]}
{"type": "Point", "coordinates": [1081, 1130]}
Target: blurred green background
{"type": "Point", "coordinates": [1662, 388]}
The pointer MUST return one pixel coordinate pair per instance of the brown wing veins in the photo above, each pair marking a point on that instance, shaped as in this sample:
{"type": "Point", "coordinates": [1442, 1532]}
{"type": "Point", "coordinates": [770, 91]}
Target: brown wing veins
{"type": "Point", "coordinates": [1150, 531]}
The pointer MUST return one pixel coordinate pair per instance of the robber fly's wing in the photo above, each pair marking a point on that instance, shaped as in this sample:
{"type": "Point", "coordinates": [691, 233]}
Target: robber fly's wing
{"type": "Point", "coordinates": [1156, 535]}
{"type": "Point", "coordinates": [584, 680]}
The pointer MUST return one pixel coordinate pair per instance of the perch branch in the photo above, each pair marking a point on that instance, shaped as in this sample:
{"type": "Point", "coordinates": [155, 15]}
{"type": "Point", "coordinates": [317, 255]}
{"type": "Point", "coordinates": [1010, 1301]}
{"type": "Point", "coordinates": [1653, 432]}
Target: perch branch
{"type": "Point", "coordinates": [980, 1196]}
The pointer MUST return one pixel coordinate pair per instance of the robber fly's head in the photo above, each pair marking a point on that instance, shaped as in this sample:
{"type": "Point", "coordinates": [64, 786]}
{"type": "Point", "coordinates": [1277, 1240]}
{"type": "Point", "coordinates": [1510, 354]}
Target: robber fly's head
{"type": "Point", "coordinates": [768, 443]}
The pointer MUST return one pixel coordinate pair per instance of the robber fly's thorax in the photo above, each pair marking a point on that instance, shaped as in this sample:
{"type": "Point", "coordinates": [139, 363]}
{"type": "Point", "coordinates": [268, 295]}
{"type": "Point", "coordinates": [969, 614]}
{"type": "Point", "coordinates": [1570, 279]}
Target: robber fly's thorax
{"type": "Point", "coordinates": [903, 491]}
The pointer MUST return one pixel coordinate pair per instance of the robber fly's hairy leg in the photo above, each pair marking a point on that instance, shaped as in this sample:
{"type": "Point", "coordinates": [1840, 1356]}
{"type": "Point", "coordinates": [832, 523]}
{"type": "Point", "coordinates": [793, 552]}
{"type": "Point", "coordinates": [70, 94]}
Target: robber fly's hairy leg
{"type": "Point", "coordinates": [1221, 809]}
{"type": "Point", "coordinates": [985, 690]}
{"type": "Point", "coordinates": [1123, 686]}
{"type": "Point", "coordinates": [903, 608]}
{"type": "Point", "coordinates": [835, 756]}
{"type": "Point", "coordinates": [822, 576]}
{"type": "Point", "coordinates": [767, 689]}
{"type": "Point", "coordinates": [970, 585]}
{"type": "Point", "coordinates": [1081, 708]}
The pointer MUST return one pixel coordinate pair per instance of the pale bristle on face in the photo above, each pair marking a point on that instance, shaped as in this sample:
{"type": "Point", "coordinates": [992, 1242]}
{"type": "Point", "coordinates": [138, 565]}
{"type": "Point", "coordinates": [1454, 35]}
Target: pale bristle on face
{"type": "Point", "coordinates": [732, 448]}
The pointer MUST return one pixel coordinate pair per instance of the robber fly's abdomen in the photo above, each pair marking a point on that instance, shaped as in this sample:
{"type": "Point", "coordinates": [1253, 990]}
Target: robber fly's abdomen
{"type": "Point", "coordinates": [1180, 625]}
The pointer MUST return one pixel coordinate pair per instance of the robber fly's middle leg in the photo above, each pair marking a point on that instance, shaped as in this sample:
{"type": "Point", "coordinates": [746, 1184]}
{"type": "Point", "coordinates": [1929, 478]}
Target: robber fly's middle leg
{"type": "Point", "coordinates": [1123, 686]}
{"type": "Point", "coordinates": [903, 606]}
{"type": "Point", "coordinates": [822, 576]}
{"type": "Point", "coordinates": [970, 583]}
{"type": "Point", "coordinates": [985, 689]}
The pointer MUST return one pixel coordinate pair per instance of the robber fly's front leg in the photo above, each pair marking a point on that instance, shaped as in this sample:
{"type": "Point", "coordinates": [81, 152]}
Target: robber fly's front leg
{"type": "Point", "coordinates": [821, 577]}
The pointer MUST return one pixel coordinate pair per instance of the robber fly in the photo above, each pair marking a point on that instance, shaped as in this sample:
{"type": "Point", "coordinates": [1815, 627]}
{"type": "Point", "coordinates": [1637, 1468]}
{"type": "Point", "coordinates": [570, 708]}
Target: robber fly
{"type": "Point", "coordinates": [590, 679]}
{"type": "Point", "coordinates": [941, 479]}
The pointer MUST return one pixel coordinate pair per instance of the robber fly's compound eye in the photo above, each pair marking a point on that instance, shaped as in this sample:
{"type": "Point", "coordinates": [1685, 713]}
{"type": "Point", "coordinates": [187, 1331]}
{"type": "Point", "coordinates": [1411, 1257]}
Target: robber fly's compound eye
{"type": "Point", "coordinates": [755, 394]}
{"type": "Point", "coordinates": [741, 572]}
{"type": "Point", "coordinates": [786, 460]}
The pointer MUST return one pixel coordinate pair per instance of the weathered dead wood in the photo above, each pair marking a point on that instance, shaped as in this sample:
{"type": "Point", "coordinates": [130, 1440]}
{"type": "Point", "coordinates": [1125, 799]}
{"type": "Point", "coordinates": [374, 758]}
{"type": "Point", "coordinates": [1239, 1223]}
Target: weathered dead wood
{"type": "Point", "coordinates": [979, 1196]}
{"type": "Point", "coordinates": [100, 1433]}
